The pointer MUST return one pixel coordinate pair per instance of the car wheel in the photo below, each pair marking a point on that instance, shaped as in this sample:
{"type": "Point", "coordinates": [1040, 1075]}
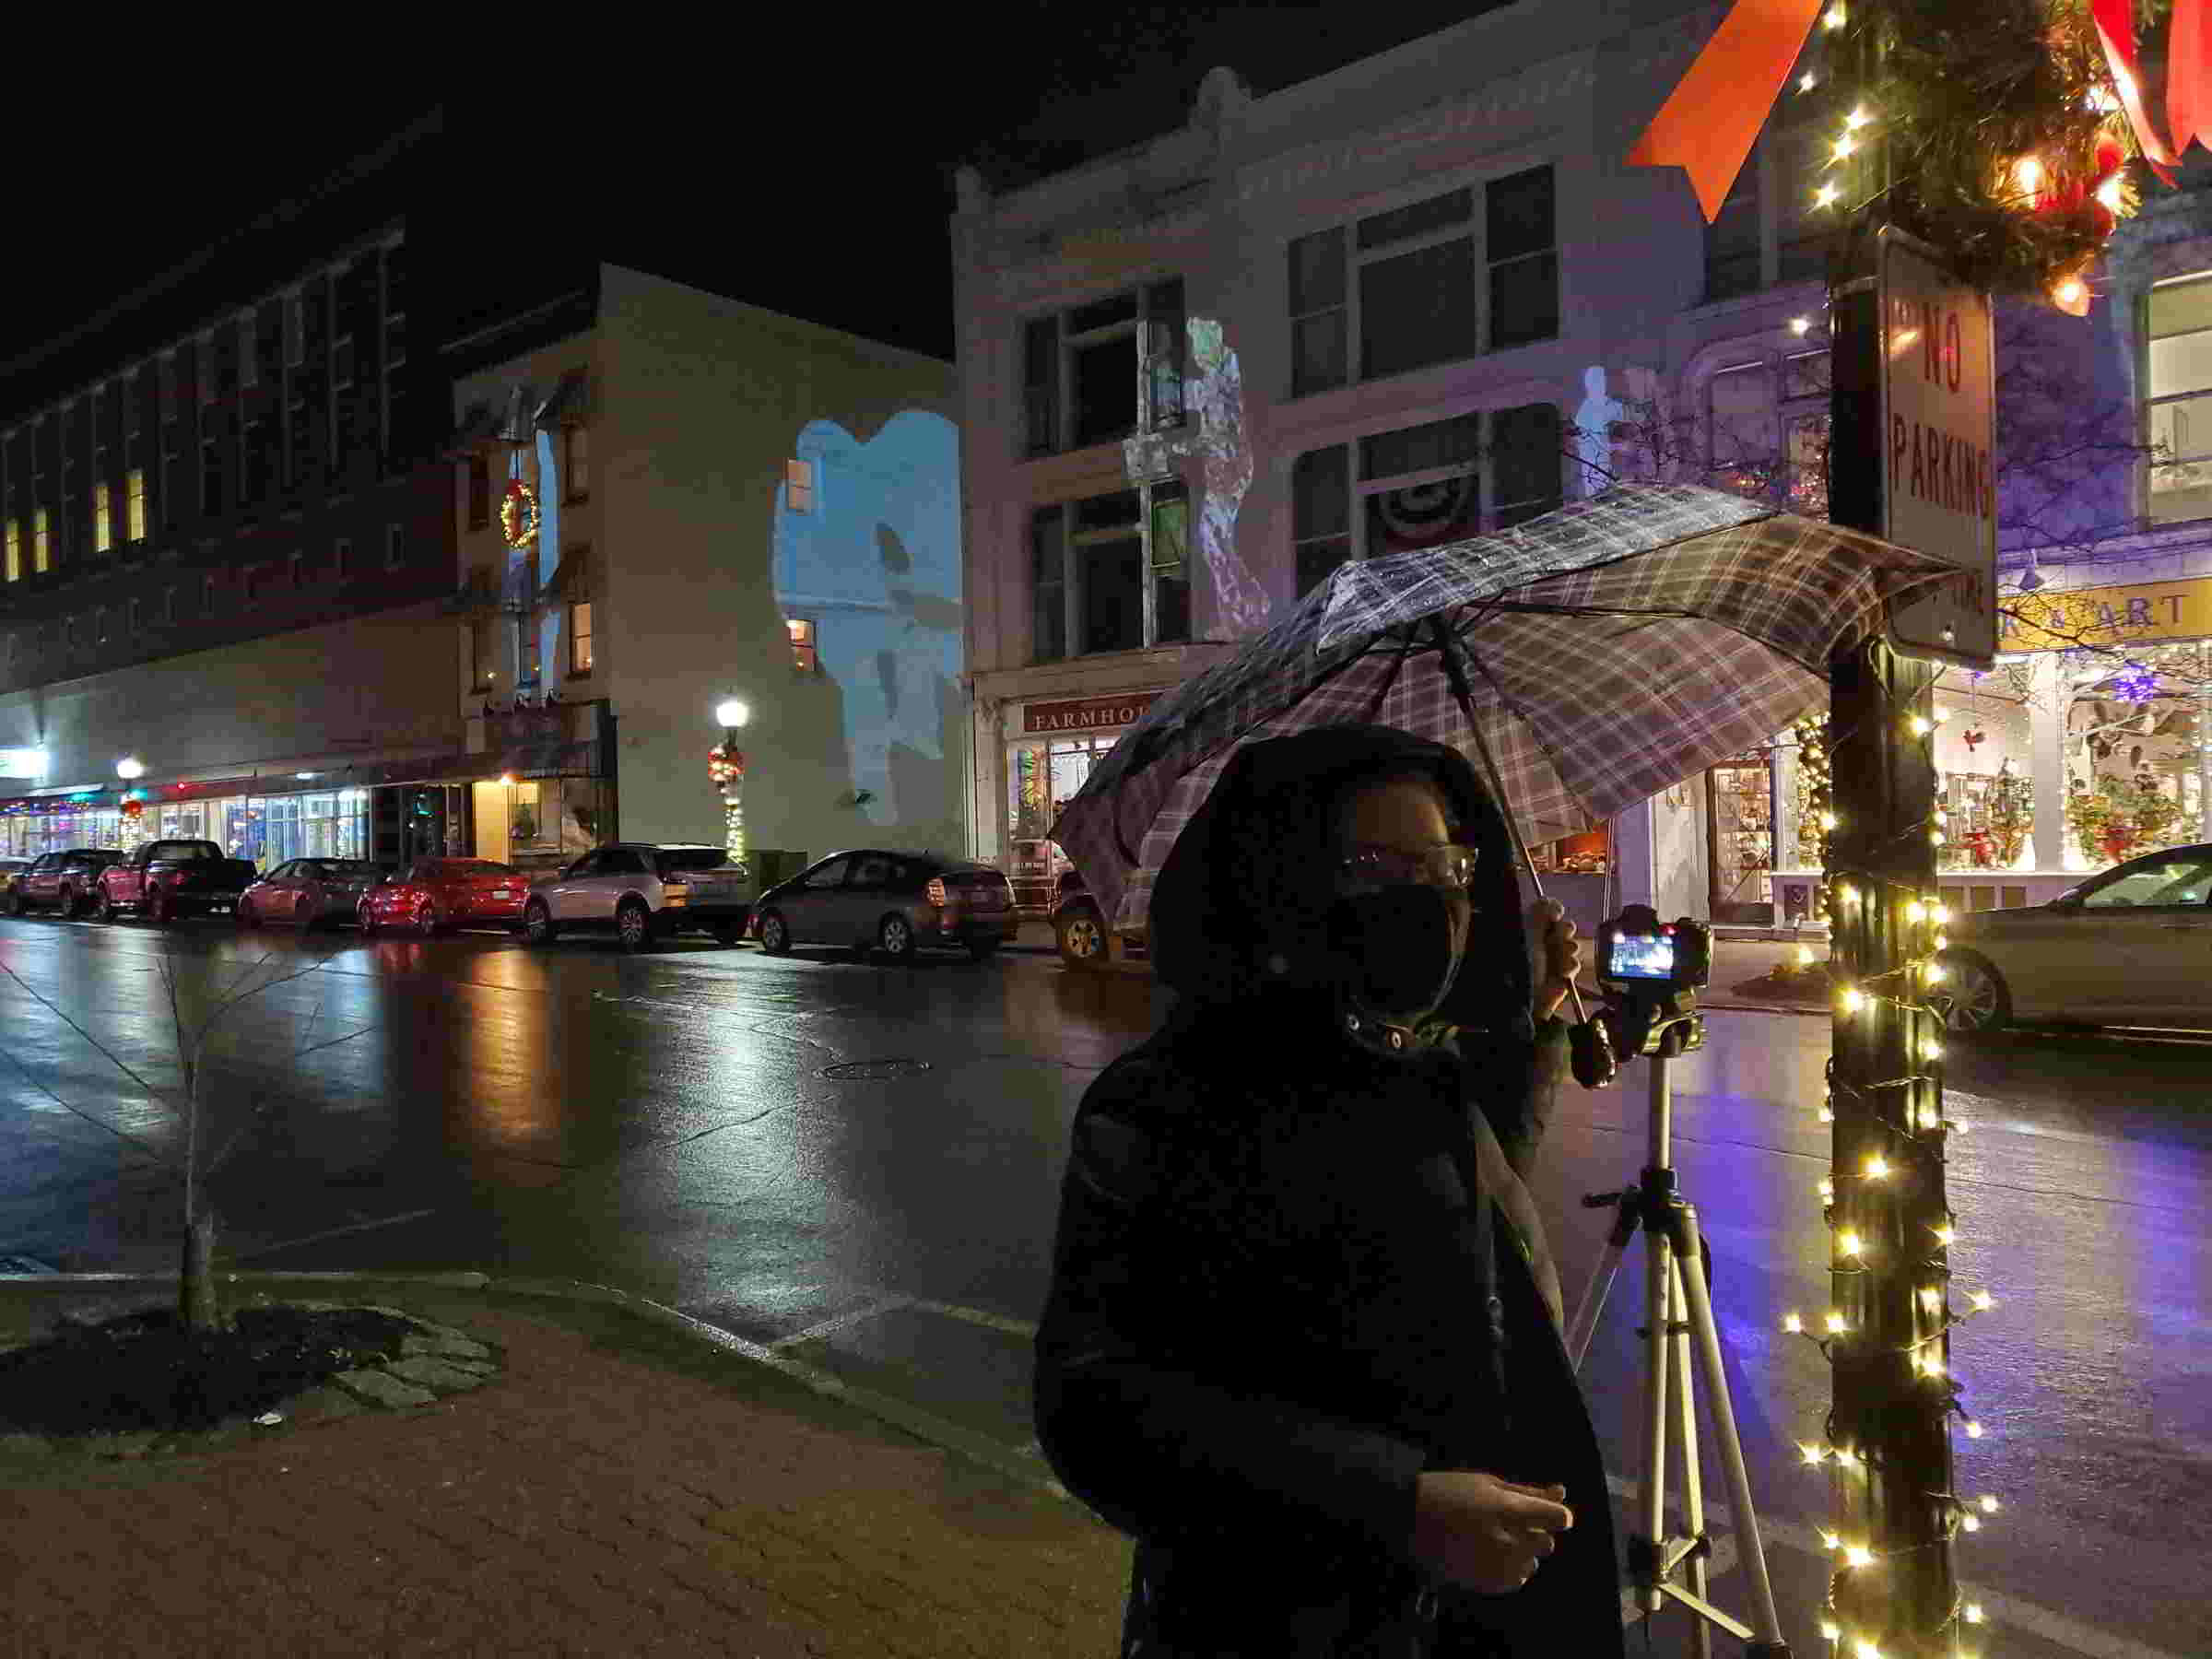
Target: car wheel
{"type": "Point", "coordinates": [894, 938]}
{"type": "Point", "coordinates": [1971, 997]}
{"type": "Point", "coordinates": [1082, 940]}
{"type": "Point", "coordinates": [538, 924]}
{"type": "Point", "coordinates": [427, 920]}
{"type": "Point", "coordinates": [775, 934]}
{"type": "Point", "coordinates": [247, 917]}
{"type": "Point", "coordinates": [633, 927]}
{"type": "Point", "coordinates": [103, 907]}
{"type": "Point", "coordinates": [14, 902]}
{"type": "Point", "coordinates": [67, 907]}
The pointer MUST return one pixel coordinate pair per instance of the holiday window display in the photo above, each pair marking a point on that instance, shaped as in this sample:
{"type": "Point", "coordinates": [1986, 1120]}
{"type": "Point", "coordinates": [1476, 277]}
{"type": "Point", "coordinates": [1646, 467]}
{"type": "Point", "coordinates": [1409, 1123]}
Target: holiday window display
{"type": "Point", "coordinates": [1992, 815]}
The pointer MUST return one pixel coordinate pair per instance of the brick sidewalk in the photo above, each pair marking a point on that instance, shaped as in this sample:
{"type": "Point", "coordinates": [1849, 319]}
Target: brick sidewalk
{"type": "Point", "coordinates": [618, 1490]}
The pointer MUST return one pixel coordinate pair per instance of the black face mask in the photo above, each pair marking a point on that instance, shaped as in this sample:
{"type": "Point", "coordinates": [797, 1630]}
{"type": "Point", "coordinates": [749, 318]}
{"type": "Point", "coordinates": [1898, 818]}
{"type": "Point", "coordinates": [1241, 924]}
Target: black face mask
{"type": "Point", "coordinates": [1397, 947]}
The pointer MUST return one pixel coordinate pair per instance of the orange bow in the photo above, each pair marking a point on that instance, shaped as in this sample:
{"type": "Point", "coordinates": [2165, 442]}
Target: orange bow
{"type": "Point", "coordinates": [1709, 124]}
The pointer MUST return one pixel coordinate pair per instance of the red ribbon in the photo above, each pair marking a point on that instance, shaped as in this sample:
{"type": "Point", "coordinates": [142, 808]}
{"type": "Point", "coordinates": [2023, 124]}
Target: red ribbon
{"type": "Point", "coordinates": [1710, 121]}
{"type": "Point", "coordinates": [2188, 77]}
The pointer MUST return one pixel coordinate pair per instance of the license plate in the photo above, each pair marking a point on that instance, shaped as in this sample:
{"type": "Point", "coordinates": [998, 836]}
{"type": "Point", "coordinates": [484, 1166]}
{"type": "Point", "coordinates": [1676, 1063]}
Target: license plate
{"type": "Point", "coordinates": [503, 893]}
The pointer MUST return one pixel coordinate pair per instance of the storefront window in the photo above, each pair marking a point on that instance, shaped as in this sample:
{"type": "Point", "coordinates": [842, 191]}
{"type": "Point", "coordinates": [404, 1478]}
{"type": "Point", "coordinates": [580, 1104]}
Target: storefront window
{"type": "Point", "coordinates": [2135, 765]}
{"type": "Point", "coordinates": [1586, 854]}
{"type": "Point", "coordinates": [1041, 778]}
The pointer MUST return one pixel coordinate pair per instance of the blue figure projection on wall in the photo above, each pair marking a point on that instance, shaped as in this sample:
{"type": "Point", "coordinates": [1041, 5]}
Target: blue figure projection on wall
{"type": "Point", "coordinates": [870, 554]}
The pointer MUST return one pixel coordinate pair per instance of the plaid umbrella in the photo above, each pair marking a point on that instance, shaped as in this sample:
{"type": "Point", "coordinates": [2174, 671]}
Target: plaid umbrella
{"type": "Point", "coordinates": [1600, 653]}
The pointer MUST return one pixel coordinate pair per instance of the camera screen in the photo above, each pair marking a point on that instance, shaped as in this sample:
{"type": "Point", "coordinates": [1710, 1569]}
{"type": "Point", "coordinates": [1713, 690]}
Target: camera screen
{"type": "Point", "coordinates": [1642, 955]}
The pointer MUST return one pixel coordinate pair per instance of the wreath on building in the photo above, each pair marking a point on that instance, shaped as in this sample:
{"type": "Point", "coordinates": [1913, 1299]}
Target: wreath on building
{"type": "Point", "coordinates": [518, 514]}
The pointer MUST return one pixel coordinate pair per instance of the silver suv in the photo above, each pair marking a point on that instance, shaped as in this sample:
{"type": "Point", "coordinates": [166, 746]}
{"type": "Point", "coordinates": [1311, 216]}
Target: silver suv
{"type": "Point", "coordinates": [642, 893]}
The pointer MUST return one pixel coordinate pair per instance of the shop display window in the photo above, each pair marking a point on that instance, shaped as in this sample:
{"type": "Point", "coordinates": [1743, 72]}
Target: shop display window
{"type": "Point", "coordinates": [2135, 762]}
{"type": "Point", "coordinates": [1041, 778]}
{"type": "Point", "coordinates": [1589, 853]}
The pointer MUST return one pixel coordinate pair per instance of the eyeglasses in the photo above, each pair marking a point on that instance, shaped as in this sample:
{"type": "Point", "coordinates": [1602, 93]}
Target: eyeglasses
{"type": "Point", "coordinates": [1445, 865]}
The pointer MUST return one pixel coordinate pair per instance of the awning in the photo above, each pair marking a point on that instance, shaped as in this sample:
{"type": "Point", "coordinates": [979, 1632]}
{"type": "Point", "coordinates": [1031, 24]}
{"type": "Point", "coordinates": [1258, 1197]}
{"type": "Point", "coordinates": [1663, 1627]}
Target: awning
{"type": "Point", "coordinates": [516, 427]}
{"type": "Point", "coordinates": [568, 398]}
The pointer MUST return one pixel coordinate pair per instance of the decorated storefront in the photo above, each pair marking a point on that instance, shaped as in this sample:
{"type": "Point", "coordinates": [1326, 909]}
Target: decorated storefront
{"type": "Point", "coordinates": [2089, 742]}
{"type": "Point", "coordinates": [266, 827]}
{"type": "Point", "coordinates": [1049, 750]}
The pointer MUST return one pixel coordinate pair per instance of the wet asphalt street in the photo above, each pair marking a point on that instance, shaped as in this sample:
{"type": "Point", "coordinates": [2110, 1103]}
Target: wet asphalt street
{"type": "Point", "coordinates": [677, 1126]}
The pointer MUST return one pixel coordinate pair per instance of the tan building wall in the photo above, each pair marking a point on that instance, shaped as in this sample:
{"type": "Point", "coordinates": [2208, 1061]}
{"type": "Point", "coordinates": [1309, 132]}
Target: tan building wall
{"type": "Point", "coordinates": [705, 401]}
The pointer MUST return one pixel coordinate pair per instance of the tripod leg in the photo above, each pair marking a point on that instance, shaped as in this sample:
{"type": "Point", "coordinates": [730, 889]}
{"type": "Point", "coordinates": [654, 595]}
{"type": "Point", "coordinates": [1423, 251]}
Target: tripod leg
{"type": "Point", "coordinates": [1685, 1429]}
{"type": "Point", "coordinates": [1767, 1622]}
{"type": "Point", "coordinates": [1587, 1312]}
{"type": "Point", "coordinates": [1658, 1274]}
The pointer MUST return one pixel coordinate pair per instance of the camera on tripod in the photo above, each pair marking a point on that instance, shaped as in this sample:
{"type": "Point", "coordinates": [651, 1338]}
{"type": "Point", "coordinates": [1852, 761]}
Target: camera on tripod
{"type": "Point", "coordinates": [1651, 971]}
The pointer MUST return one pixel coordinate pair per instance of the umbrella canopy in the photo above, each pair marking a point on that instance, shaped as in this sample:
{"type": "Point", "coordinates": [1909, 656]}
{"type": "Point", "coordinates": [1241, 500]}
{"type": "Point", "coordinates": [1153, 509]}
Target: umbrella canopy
{"type": "Point", "coordinates": [1609, 650]}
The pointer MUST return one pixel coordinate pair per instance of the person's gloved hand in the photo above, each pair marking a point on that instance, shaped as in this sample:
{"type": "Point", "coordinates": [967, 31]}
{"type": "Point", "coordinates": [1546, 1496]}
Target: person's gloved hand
{"type": "Point", "coordinates": [1558, 954]}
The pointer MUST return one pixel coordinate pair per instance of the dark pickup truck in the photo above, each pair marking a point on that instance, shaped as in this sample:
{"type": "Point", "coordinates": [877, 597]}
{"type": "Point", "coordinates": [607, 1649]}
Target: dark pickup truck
{"type": "Point", "coordinates": [165, 879]}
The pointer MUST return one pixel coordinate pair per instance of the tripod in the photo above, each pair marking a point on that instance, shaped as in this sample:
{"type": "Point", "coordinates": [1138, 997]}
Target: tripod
{"type": "Point", "coordinates": [1678, 1313]}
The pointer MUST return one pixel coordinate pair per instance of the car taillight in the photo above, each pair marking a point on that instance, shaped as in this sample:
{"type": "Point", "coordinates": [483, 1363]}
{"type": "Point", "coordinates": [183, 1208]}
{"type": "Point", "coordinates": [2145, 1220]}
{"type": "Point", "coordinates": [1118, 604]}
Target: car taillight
{"type": "Point", "coordinates": [937, 889]}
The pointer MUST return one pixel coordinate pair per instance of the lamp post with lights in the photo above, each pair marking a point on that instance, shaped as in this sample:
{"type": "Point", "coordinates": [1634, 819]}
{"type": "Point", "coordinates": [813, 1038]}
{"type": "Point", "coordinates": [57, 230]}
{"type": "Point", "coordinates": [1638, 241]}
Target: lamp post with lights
{"type": "Point", "coordinates": [725, 767]}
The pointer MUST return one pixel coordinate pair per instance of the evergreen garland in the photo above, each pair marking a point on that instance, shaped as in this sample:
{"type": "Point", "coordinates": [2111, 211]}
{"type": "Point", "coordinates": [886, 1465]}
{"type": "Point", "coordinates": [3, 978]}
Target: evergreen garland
{"type": "Point", "coordinates": [1962, 93]}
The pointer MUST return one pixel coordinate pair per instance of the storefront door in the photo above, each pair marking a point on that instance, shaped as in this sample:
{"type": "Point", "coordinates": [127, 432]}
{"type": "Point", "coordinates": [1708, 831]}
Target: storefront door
{"type": "Point", "coordinates": [1741, 825]}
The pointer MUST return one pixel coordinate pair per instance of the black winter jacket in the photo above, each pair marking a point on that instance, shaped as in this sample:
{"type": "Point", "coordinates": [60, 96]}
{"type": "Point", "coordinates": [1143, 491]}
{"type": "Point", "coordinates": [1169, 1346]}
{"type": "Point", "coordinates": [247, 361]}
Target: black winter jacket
{"type": "Point", "coordinates": [1276, 1300]}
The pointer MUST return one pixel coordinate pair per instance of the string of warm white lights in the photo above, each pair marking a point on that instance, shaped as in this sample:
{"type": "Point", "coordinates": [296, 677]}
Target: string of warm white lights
{"type": "Point", "coordinates": [1916, 1138]}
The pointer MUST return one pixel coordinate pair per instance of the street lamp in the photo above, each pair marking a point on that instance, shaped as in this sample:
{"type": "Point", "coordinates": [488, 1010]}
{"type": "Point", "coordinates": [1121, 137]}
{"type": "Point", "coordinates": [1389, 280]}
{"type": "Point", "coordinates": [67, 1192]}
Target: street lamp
{"type": "Point", "coordinates": [130, 766]}
{"type": "Point", "coordinates": [725, 766]}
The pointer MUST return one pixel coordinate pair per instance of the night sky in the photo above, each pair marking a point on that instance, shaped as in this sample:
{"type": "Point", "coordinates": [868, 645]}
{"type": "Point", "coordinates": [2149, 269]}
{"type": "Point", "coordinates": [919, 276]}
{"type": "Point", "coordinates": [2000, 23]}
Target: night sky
{"type": "Point", "coordinates": [752, 164]}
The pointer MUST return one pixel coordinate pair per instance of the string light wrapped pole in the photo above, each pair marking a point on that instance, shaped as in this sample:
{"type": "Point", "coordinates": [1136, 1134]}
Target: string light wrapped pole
{"type": "Point", "coordinates": [725, 771]}
{"type": "Point", "coordinates": [1893, 1591]}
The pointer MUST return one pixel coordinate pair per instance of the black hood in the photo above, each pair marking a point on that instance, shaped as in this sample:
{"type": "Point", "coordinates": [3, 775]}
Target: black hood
{"type": "Point", "coordinates": [1251, 877]}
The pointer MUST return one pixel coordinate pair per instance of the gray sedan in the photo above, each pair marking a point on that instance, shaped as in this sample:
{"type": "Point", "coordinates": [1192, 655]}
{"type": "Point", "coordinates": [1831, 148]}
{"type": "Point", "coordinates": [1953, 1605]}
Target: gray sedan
{"type": "Point", "coordinates": [2131, 947]}
{"type": "Point", "coordinates": [307, 892]}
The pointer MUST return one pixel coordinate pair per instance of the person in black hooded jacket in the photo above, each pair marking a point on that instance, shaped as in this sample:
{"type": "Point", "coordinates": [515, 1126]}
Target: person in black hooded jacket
{"type": "Point", "coordinates": [1303, 1339]}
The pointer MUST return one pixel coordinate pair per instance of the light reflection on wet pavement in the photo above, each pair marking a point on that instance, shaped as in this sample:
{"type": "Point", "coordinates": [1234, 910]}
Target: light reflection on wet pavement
{"type": "Point", "coordinates": [664, 1125]}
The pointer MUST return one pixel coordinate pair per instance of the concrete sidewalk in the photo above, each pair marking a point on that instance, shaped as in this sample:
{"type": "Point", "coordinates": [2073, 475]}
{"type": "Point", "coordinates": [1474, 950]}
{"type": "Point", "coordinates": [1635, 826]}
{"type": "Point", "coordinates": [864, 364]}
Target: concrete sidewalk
{"type": "Point", "coordinates": [617, 1487]}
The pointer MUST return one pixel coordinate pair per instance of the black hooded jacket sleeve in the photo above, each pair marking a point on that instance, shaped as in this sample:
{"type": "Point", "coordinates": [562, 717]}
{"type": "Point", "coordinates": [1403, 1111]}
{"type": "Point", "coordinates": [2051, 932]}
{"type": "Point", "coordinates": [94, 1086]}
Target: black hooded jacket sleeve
{"type": "Point", "coordinates": [1158, 1447]}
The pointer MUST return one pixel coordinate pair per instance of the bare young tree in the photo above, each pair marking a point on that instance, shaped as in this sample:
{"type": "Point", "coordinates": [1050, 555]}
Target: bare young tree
{"type": "Point", "coordinates": [197, 1015]}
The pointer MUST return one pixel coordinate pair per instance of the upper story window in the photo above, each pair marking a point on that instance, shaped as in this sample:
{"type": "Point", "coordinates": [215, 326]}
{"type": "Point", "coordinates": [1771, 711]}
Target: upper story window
{"type": "Point", "coordinates": [14, 549]}
{"type": "Point", "coordinates": [1422, 486]}
{"type": "Point", "coordinates": [1770, 230]}
{"type": "Point", "coordinates": [1104, 370]}
{"type": "Point", "coordinates": [207, 368]}
{"type": "Point", "coordinates": [295, 332]}
{"type": "Point", "coordinates": [248, 353]}
{"type": "Point", "coordinates": [479, 492]}
{"type": "Point", "coordinates": [103, 519]}
{"type": "Point", "coordinates": [803, 656]}
{"type": "Point", "coordinates": [576, 462]}
{"type": "Point", "coordinates": [42, 542]}
{"type": "Point", "coordinates": [1431, 282]}
{"type": "Point", "coordinates": [2178, 399]}
{"type": "Point", "coordinates": [798, 485]}
{"type": "Point", "coordinates": [1765, 430]}
{"type": "Point", "coordinates": [1111, 572]}
{"type": "Point", "coordinates": [134, 504]}
{"type": "Point", "coordinates": [579, 638]}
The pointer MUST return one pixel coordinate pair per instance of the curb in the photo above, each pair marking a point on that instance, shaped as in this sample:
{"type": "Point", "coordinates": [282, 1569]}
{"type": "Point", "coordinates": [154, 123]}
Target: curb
{"type": "Point", "coordinates": [923, 1425]}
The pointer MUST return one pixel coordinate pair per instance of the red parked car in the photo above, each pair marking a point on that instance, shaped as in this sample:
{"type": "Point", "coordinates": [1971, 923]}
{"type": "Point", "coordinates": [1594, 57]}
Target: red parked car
{"type": "Point", "coordinates": [435, 893]}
